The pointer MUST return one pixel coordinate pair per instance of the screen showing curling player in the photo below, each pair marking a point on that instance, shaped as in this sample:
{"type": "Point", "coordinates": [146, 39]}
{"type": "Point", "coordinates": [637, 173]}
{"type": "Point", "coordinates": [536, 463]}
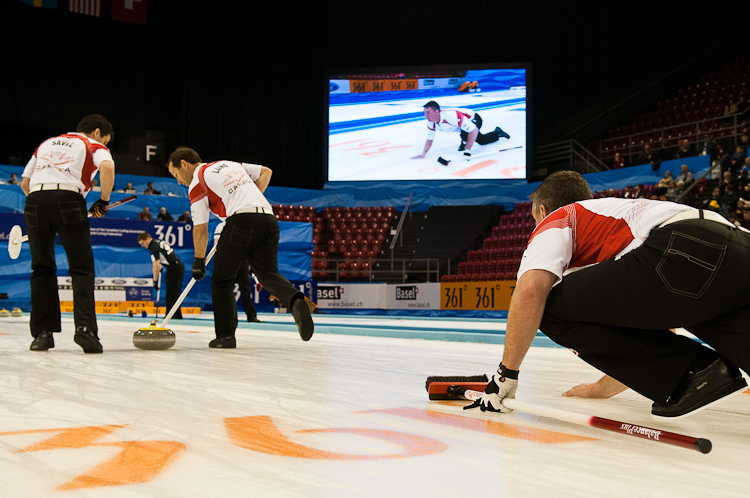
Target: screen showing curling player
{"type": "Point", "coordinates": [428, 124]}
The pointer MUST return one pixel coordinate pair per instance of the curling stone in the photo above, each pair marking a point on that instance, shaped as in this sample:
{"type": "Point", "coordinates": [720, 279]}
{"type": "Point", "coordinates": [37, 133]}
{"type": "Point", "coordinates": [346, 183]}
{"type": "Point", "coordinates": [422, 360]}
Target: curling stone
{"type": "Point", "coordinates": [153, 338]}
{"type": "Point", "coordinates": [4, 313]}
{"type": "Point", "coordinates": [16, 312]}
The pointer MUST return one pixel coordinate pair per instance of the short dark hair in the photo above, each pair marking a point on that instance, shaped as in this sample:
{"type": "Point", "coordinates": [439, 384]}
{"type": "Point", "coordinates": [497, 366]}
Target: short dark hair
{"type": "Point", "coordinates": [560, 189]}
{"type": "Point", "coordinates": [144, 236]}
{"type": "Point", "coordinates": [90, 123]}
{"type": "Point", "coordinates": [183, 153]}
{"type": "Point", "coordinates": [432, 105]}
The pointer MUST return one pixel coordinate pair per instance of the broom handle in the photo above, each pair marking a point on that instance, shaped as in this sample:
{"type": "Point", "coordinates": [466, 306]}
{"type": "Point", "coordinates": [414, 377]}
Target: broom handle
{"type": "Point", "coordinates": [185, 292]}
{"type": "Point", "coordinates": [660, 436]}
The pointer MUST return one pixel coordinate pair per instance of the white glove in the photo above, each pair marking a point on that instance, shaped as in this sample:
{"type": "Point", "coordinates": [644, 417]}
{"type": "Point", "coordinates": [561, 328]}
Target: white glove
{"type": "Point", "coordinates": [467, 154]}
{"type": "Point", "coordinates": [503, 385]}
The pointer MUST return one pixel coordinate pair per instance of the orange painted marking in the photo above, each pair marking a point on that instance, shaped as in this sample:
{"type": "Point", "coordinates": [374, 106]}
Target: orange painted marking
{"type": "Point", "coordinates": [261, 434]}
{"type": "Point", "coordinates": [747, 392]}
{"type": "Point", "coordinates": [475, 424]}
{"type": "Point", "coordinates": [466, 171]}
{"type": "Point", "coordinates": [428, 169]}
{"type": "Point", "coordinates": [137, 461]}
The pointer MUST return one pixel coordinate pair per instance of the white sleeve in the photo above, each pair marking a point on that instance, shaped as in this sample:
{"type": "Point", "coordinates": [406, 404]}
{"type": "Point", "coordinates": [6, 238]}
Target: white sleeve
{"type": "Point", "coordinates": [253, 170]}
{"type": "Point", "coordinates": [550, 250]}
{"type": "Point", "coordinates": [430, 132]}
{"type": "Point", "coordinates": [200, 211]}
{"type": "Point", "coordinates": [100, 156]}
{"type": "Point", "coordinates": [29, 169]}
{"type": "Point", "coordinates": [219, 228]}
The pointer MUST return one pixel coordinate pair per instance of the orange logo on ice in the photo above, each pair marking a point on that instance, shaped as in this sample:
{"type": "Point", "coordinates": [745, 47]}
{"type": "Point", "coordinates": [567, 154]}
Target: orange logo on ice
{"type": "Point", "coordinates": [137, 461]}
{"type": "Point", "coordinates": [261, 434]}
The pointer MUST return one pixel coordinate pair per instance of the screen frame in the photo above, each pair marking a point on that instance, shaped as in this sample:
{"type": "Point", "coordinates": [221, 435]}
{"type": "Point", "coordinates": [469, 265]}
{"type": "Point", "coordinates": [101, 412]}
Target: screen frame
{"type": "Point", "coordinates": [331, 73]}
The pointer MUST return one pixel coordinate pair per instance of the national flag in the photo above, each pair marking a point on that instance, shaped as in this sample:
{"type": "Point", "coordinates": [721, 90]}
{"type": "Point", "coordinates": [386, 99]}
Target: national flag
{"type": "Point", "coordinates": [88, 7]}
{"type": "Point", "coordinates": [49, 4]}
{"type": "Point", "coordinates": [133, 11]}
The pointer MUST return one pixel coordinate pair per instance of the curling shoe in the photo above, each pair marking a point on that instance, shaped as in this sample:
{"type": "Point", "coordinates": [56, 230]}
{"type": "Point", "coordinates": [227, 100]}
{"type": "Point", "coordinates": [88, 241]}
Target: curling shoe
{"type": "Point", "coordinates": [303, 319]}
{"type": "Point", "coordinates": [88, 341]}
{"type": "Point", "coordinates": [43, 342]}
{"type": "Point", "coordinates": [501, 133]}
{"type": "Point", "coordinates": [253, 319]}
{"type": "Point", "coordinates": [699, 389]}
{"type": "Point", "coordinates": [228, 342]}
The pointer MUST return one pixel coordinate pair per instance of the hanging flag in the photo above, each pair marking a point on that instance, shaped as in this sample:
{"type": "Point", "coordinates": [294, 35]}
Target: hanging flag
{"type": "Point", "coordinates": [49, 4]}
{"type": "Point", "coordinates": [133, 11]}
{"type": "Point", "coordinates": [88, 7]}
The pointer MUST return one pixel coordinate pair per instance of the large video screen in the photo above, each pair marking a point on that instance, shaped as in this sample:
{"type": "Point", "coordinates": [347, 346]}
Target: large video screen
{"type": "Point", "coordinates": [441, 123]}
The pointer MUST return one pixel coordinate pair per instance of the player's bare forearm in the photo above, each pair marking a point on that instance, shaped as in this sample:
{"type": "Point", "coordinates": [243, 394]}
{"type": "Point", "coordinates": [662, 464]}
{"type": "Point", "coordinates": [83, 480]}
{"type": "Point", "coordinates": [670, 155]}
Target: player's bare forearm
{"type": "Point", "coordinates": [107, 177]}
{"type": "Point", "coordinates": [427, 146]}
{"type": "Point", "coordinates": [25, 185]}
{"type": "Point", "coordinates": [606, 387]}
{"type": "Point", "coordinates": [525, 315]}
{"type": "Point", "coordinates": [264, 179]}
{"type": "Point", "coordinates": [200, 240]}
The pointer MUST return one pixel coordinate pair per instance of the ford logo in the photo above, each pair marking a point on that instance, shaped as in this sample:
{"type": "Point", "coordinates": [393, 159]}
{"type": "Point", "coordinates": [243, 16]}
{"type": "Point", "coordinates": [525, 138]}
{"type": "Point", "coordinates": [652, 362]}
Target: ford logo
{"type": "Point", "coordinates": [118, 281]}
{"type": "Point", "coordinates": [99, 281]}
{"type": "Point", "coordinates": [332, 87]}
{"type": "Point", "coordinates": [142, 282]}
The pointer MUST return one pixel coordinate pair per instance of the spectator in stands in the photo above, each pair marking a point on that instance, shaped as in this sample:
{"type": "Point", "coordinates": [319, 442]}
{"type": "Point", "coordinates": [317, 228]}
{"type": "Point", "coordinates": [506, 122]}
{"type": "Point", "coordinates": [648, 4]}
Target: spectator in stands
{"type": "Point", "coordinates": [713, 149]}
{"type": "Point", "coordinates": [746, 218]}
{"type": "Point", "coordinates": [744, 143]}
{"type": "Point", "coordinates": [737, 160]}
{"type": "Point", "coordinates": [611, 193]}
{"type": "Point", "coordinates": [628, 194]}
{"type": "Point", "coordinates": [13, 180]}
{"type": "Point", "coordinates": [663, 185]}
{"type": "Point", "coordinates": [164, 215]}
{"type": "Point", "coordinates": [185, 217]}
{"type": "Point", "coordinates": [713, 201]}
{"type": "Point", "coordinates": [729, 179]}
{"type": "Point", "coordinates": [685, 175]}
{"type": "Point", "coordinates": [150, 190]}
{"type": "Point", "coordinates": [128, 189]}
{"type": "Point", "coordinates": [646, 156]}
{"type": "Point", "coordinates": [618, 162]}
{"type": "Point", "coordinates": [729, 199]}
{"type": "Point", "coordinates": [638, 191]}
{"type": "Point", "coordinates": [145, 214]}
{"type": "Point", "coordinates": [684, 150]}
{"type": "Point", "coordinates": [673, 191]}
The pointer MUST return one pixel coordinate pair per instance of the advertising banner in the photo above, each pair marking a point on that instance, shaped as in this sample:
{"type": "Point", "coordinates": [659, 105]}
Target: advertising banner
{"type": "Point", "coordinates": [482, 296]}
{"type": "Point", "coordinates": [413, 297]}
{"type": "Point", "coordinates": [112, 289]}
{"type": "Point", "coordinates": [351, 296]}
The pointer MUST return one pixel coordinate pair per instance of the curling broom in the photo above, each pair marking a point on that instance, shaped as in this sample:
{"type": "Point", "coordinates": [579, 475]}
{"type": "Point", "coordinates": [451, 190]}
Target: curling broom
{"type": "Point", "coordinates": [459, 391]}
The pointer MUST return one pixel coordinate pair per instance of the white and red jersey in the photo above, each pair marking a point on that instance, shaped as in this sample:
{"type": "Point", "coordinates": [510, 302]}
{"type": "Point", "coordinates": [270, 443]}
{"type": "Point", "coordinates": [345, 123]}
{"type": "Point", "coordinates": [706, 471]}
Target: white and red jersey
{"type": "Point", "coordinates": [452, 120]}
{"type": "Point", "coordinates": [70, 159]}
{"type": "Point", "coordinates": [588, 232]}
{"type": "Point", "coordinates": [224, 188]}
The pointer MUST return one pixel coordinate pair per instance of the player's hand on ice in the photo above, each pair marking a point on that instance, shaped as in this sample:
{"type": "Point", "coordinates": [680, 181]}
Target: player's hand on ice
{"type": "Point", "coordinates": [420, 156]}
{"type": "Point", "coordinates": [606, 387]}
{"type": "Point", "coordinates": [503, 385]}
{"type": "Point", "coordinates": [199, 268]}
{"type": "Point", "coordinates": [98, 208]}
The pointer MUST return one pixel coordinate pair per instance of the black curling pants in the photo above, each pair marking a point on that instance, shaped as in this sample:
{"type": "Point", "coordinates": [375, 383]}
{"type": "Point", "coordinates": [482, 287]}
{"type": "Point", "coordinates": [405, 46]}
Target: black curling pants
{"type": "Point", "coordinates": [616, 315]}
{"type": "Point", "coordinates": [246, 295]}
{"type": "Point", "coordinates": [255, 238]}
{"type": "Point", "coordinates": [174, 274]}
{"type": "Point", "coordinates": [48, 213]}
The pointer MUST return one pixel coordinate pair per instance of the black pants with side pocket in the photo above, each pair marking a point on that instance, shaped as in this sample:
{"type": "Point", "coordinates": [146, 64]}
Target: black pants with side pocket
{"type": "Point", "coordinates": [49, 213]}
{"type": "Point", "coordinates": [616, 315]}
{"type": "Point", "coordinates": [255, 238]}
